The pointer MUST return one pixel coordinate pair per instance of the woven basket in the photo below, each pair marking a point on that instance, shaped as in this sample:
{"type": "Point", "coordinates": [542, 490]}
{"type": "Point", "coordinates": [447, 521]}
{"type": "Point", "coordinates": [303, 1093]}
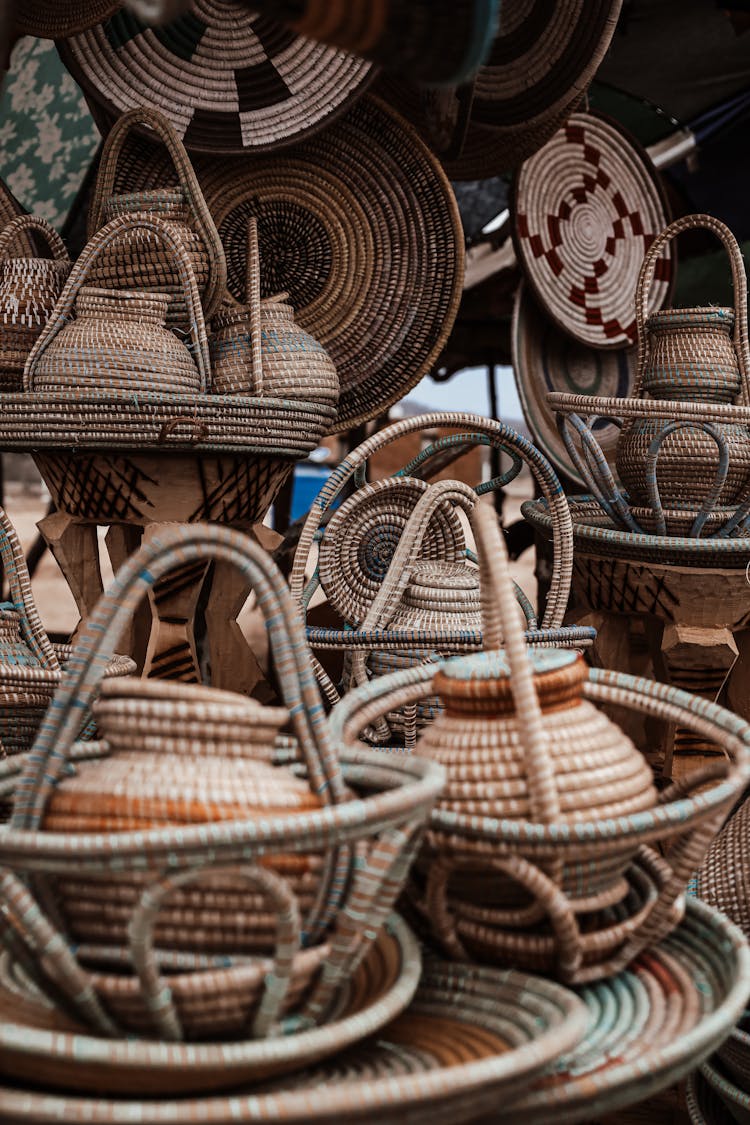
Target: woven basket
{"type": "Point", "coordinates": [31, 666]}
{"type": "Point", "coordinates": [585, 209]}
{"type": "Point", "coordinates": [258, 349]}
{"type": "Point", "coordinates": [360, 227]}
{"type": "Point", "coordinates": [734, 1101]}
{"type": "Point", "coordinates": [530, 861]}
{"type": "Point", "coordinates": [134, 261]}
{"type": "Point", "coordinates": [228, 78]}
{"type": "Point", "coordinates": [118, 340]}
{"type": "Point", "coordinates": [365, 843]}
{"type": "Point", "coordinates": [29, 289]}
{"type": "Point", "coordinates": [406, 596]}
{"type": "Point", "coordinates": [49, 19]}
{"type": "Point", "coordinates": [704, 1104]}
{"type": "Point", "coordinates": [695, 356]}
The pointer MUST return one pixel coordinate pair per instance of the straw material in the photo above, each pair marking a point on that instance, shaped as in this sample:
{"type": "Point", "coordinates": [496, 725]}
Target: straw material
{"type": "Point", "coordinates": [470, 1039]}
{"type": "Point", "coordinates": [734, 1100]}
{"type": "Point", "coordinates": [585, 209]}
{"type": "Point", "coordinates": [228, 79]}
{"type": "Point", "coordinates": [258, 349]}
{"type": "Point", "coordinates": [382, 985]}
{"type": "Point", "coordinates": [696, 356]}
{"type": "Point", "coordinates": [151, 822]}
{"type": "Point", "coordinates": [545, 359]}
{"type": "Point", "coordinates": [134, 261]}
{"type": "Point", "coordinates": [29, 289]}
{"type": "Point", "coordinates": [539, 66]}
{"type": "Point", "coordinates": [10, 208]}
{"type": "Point", "coordinates": [360, 227]}
{"type": "Point", "coordinates": [704, 1105]}
{"type": "Point", "coordinates": [50, 19]}
{"type": "Point", "coordinates": [526, 864]}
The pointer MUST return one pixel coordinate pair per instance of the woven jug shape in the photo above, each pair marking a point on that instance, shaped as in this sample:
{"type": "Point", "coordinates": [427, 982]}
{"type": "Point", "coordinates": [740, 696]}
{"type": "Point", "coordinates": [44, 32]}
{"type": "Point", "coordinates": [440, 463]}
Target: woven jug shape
{"type": "Point", "coordinates": [118, 339]}
{"type": "Point", "coordinates": [134, 261]}
{"type": "Point", "coordinates": [258, 348]}
{"type": "Point", "coordinates": [29, 289]}
{"type": "Point", "coordinates": [517, 738]}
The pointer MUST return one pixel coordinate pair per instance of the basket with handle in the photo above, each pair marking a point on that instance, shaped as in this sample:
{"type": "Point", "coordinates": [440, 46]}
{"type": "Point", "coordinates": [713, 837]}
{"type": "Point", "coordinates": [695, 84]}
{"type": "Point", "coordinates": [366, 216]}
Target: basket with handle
{"type": "Point", "coordinates": [683, 453]}
{"type": "Point", "coordinates": [134, 261]}
{"type": "Point", "coordinates": [409, 596]}
{"type": "Point", "coordinates": [541, 849]}
{"type": "Point", "coordinates": [29, 289]}
{"type": "Point", "coordinates": [258, 349]}
{"type": "Point", "coordinates": [357, 844]}
{"type": "Point", "coordinates": [115, 339]}
{"type": "Point", "coordinates": [31, 667]}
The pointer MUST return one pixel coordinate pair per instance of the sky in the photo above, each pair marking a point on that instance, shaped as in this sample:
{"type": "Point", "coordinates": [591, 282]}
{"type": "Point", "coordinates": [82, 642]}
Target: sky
{"type": "Point", "coordinates": [467, 390]}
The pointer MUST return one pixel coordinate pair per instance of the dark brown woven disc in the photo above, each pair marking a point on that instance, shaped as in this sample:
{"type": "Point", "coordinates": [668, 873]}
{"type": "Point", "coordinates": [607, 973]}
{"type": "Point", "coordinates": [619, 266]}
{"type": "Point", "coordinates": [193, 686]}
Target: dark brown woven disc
{"type": "Point", "coordinates": [228, 79]}
{"type": "Point", "coordinates": [53, 19]}
{"type": "Point", "coordinates": [585, 210]}
{"type": "Point", "coordinates": [360, 226]}
{"type": "Point", "coordinates": [543, 58]}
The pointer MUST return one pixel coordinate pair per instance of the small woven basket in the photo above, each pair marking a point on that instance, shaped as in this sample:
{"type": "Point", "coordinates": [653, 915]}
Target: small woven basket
{"type": "Point", "coordinates": [135, 261]}
{"type": "Point", "coordinates": [540, 851]}
{"type": "Point", "coordinates": [29, 289]}
{"type": "Point", "coordinates": [168, 855]}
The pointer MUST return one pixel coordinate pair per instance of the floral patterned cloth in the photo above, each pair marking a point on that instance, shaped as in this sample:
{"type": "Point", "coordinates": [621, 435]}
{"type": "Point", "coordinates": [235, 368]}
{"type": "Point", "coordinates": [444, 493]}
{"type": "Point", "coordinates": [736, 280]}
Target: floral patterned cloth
{"type": "Point", "coordinates": [47, 135]}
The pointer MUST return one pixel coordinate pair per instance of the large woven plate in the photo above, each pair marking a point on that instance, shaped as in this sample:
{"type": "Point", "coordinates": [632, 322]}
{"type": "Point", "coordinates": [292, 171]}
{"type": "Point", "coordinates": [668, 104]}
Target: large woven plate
{"type": "Point", "coordinates": [649, 1026]}
{"type": "Point", "coordinates": [38, 1043]}
{"type": "Point", "coordinates": [545, 359]}
{"type": "Point", "coordinates": [471, 1037]}
{"type": "Point", "coordinates": [51, 19]}
{"type": "Point", "coordinates": [360, 226]}
{"type": "Point", "coordinates": [228, 79]}
{"type": "Point", "coordinates": [585, 208]}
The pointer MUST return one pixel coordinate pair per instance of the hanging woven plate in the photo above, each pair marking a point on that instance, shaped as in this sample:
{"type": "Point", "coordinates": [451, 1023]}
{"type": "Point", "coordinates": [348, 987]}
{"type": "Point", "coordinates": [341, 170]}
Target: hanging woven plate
{"type": "Point", "coordinates": [585, 209]}
{"type": "Point", "coordinates": [543, 58]}
{"type": "Point", "coordinates": [228, 79]}
{"type": "Point", "coordinates": [360, 226]}
{"type": "Point", "coordinates": [545, 359]}
{"type": "Point", "coordinates": [51, 19]}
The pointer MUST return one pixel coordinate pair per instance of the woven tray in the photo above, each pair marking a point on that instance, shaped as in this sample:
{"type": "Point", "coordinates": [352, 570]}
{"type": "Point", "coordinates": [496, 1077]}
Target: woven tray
{"type": "Point", "coordinates": [732, 1102]}
{"type": "Point", "coordinates": [545, 359]}
{"type": "Point", "coordinates": [650, 1026]}
{"type": "Point", "coordinates": [704, 1105]}
{"type": "Point", "coordinates": [229, 79]}
{"type": "Point", "coordinates": [39, 1044]}
{"type": "Point", "coordinates": [470, 1038]}
{"type": "Point", "coordinates": [594, 534]}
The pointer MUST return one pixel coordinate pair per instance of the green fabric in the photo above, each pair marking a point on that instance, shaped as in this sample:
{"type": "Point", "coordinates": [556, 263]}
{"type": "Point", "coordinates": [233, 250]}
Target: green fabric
{"type": "Point", "coordinates": [47, 135]}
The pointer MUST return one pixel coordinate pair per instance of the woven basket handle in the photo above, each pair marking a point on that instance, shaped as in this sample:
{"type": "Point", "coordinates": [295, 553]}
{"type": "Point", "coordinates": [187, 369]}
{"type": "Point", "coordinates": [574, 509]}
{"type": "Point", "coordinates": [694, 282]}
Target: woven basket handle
{"type": "Point", "coordinates": [99, 243]}
{"type": "Point", "coordinates": [739, 280]}
{"type": "Point", "coordinates": [179, 545]}
{"type": "Point", "coordinates": [22, 223]}
{"type": "Point", "coordinates": [188, 181]}
{"type": "Point", "coordinates": [19, 584]}
{"type": "Point", "coordinates": [252, 297]}
{"type": "Point", "coordinates": [501, 626]}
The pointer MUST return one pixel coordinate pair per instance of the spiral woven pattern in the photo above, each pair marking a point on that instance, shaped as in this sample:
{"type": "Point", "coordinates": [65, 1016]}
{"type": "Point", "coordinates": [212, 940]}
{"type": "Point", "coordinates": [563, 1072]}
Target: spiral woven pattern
{"type": "Point", "coordinates": [360, 227]}
{"type": "Point", "coordinates": [228, 79]}
{"type": "Point", "coordinates": [50, 19]}
{"type": "Point", "coordinates": [586, 208]}
{"type": "Point", "coordinates": [361, 538]}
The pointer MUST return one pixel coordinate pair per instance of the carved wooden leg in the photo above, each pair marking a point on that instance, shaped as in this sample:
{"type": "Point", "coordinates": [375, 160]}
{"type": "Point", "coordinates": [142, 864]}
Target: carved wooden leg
{"type": "Point", "coordinates": [122, 541]}
{"type": "Point", "coordinates": [171, 653]}
{"type": "Point", "coordinates": [75, 548]}
{"type": "Point", "coordinates": [738, 687]}
{"type": "Point", "coordinates": [613, 649]}
{"type": "Point", "coordinates": [234, 665]}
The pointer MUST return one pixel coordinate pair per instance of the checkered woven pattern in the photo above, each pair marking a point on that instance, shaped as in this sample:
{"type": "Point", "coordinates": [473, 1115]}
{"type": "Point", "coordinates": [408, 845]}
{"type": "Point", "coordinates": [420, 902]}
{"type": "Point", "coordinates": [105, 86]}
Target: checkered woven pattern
{"type": "Point", "coordinates": [587, 207]}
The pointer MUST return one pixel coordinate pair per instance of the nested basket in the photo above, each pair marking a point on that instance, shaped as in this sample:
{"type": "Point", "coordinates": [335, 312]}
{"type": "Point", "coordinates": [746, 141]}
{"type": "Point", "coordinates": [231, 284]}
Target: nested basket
{"type": "Point", "coordinates": [31, 667]}
{"type": "Point", "coordinates": [683, 453]}
{"type": "Point", "coordinates": [241, 877]}
{"type": "Point", "coordinates": [541, 851]}
{"type": "Point", "coordinates": [29, 289]}
{"type": "Point", "coordinates": [394, 562]}
{"type": "Point", "coordinates": [135, 260]}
